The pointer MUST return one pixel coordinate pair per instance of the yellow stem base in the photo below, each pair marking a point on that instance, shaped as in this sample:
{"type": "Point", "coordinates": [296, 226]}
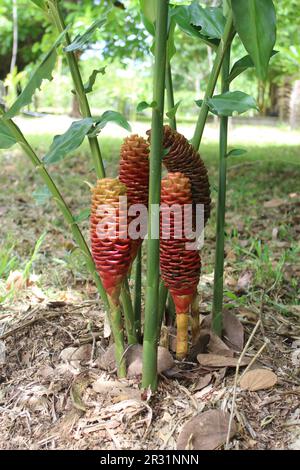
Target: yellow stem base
{"type": "Point", "coordinates": [182, 321]}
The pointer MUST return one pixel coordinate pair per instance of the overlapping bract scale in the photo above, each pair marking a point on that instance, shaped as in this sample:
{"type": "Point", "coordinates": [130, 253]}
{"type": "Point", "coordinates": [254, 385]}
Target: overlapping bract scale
{"type": "Point", "coordinates": [180, 266]}
{"type": "Point", "coordinates": [182, 157]}
{"type": "Point", "coordinates": [110, 244]}
{"type": "Point", "coordinates": [134, 173]}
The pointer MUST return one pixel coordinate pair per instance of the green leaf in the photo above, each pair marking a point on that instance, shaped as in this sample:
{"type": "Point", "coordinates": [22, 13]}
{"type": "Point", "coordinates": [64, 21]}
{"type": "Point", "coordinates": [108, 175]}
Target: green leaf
{"type": "Point", "coordinates": [148, 14]}
{"type": "Point", "coordinates": [65, 143]}
{"type": "Point", "coordinates": [40, 4]}
{"type": "Point", "coordinates": [7, 140]}
{"type": "Point", "coordinates": [236, 152]}
{"type": "Point", "coordinates": [88, 86]}
{"type": "Point", "coordinates": [144, 105]}
{"type": "Point", "coordinates": [210, 20]}
{"type": "Point", "coordinates": [172, 112]}
{"type": "Point", "coordinates": [109, 116]}
{"type": "Point", "coordinates": [81, 40]}
{"type": "Point", "coordinates": [171, 48]}
{"type": "Point", "coordinates": [83, 215]}
{"type": "Point", "coordinates": [42, 72]}
{"type": "Point", "coordinates": [230, 102]}
{"type": "Point", "coordinates": [243, 64]}
{"type": "Point", "coordinates": [199, 103]}
{"type": "Point", "coordinates": [182, 17]}
{"type": "Point", "coordinates": [41, 195]}
{"type": "Point", "coordinates": [255, 22]}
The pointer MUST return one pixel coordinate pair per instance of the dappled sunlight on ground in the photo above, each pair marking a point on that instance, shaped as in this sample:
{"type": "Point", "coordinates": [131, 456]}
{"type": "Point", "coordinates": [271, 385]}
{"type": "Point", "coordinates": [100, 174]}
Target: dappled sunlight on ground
{"type": "Point", "coordinates": [240, 131]}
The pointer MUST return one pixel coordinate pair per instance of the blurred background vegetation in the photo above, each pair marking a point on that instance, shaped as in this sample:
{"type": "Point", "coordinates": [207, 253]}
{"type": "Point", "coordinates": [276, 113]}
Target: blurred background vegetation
{"type": "Point", "coordinates": [122, 46]}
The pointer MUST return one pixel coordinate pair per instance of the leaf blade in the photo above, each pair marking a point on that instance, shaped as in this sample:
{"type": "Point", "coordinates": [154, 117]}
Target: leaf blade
{"type": "Point", "coordinates": [7, 140]}
{"type": "Point", "coordinates": [255, 22]}
{"type": "Point", "coordinates": [42, 72]}
{"type": "Point", "coordinates": [81, 40]}
{"type": "Point", "coordinates": [88, 86]}
{"type": "Point", "coordinates": [65, 143]}
{"type": "Point", "coordinates": [232, 101]}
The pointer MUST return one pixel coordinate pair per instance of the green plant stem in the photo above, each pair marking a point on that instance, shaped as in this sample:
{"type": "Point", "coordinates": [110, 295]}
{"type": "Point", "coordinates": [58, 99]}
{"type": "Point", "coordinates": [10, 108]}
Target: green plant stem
{"type": "Point", "coordinates": [78, 85]}
{"type": "Point", "coordinates": [137, 299]}
{"type": "Point", "coordinates": [170, 94]}
{"type": "Point", "coordinates": [117, 329]}
{"type": "Point", "coordinates": [129, 316]}
{"type": "Point", "coordinates": [163, 295]}
{"type": "Point", "coordinates": [217, 320]}
{"type": "Point", "coordinates": [221, 51]}
{"type": "Point", "coordinates": [16, 132]}
{"type": "Point", "coordinates": [152, 291]}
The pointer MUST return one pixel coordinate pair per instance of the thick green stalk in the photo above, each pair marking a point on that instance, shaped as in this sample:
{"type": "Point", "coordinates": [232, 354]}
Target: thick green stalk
{"type": "Point", "coordinates": [78, 85]}
{"type": "Point", "coordinates": [170, 94]}
{"type": "Point", "coordinates": [137, 299]}
{"type": "Point", "coordinates": [129, 316]}
{"type": "Point", "coordinates": [222, 48]}
{"type": "Point", "coordinates": [217, 321]}
{"type": "Point", "coordinates": [117, 329]}
{"type": "Point", "coordinates": [16, 132]}
{"type": "Point", "coordinates": [152, 291]}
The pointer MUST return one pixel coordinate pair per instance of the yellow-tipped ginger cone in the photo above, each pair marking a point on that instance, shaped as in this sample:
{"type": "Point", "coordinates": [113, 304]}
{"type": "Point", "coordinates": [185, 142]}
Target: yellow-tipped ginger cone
{"type": "Point", "coordinates": [111, 250]}
{"type": "Point", "coordinates": [180, 265]}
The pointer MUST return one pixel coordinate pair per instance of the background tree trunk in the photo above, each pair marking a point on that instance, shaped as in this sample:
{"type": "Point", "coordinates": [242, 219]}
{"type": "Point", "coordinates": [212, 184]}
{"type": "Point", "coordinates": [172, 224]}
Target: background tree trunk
{"type": "Point", "coordinates": [295, 106]}
{"type": "Point", "coordinates": [15, 35]}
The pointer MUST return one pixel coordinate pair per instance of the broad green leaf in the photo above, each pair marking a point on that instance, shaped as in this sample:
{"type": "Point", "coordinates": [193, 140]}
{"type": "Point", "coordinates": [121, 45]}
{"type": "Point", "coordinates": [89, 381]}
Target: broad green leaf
{"type": "Point", "coordinates": [81, 40]}
{"type": "Point", "coordinates": [182, 16]}
{"type": "Point", "coordinates": [41, 195]}
{"type": "Point", "coordinates": [88, 86]}
{"type": "Point", "coordinates": [42, 72]}
{"type": "Point", "coordinates": [65, 143]}
{"type": "Point", "coordinates": [236, 152]}
{"type": "Point", "coordinates": [109, 116]}
{"type": "Point", "coordinates": [144, 105]}
{"type": "Point", "coordinates": [232, 101]}
{"type": "Point", "coordinates": [210, 20]}
{"type": "Point", "coordinates": [243, 64]}
{"type": "Point", "coordinates": [172, 112]}
{"type": "Point", "coordinates": [7, 140]}
{"type": "Point", "coordinates": [83, 215]}
{"type": "Point", "coordinates": [255, 22]}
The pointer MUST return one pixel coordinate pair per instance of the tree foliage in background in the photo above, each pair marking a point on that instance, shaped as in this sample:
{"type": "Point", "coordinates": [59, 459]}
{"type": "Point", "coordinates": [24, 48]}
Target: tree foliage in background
{"type": "Point", "coordinates": [122, 44]}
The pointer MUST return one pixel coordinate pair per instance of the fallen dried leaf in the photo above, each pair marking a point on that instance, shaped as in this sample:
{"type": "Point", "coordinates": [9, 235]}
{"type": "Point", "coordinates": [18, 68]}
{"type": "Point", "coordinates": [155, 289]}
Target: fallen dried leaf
{"type": "Point", "coordinates": [273, 203]}
{"type": "Point", "coordinates": [214, 360]}
{"type": "Point", "coordinates": [134, 358]}
{"type": "Point", "coordinates": [244, 282]}
{"type": "Point", "coordinates": [116, 389]}
{"type": "Point", "coordinates": [258, 379]}
{"type": "Point", "coordinates": [206, 431]}
{"type": "Point", "coordinates": [233, 331]}
{"type": "Point", "coordinates": [203, 382]}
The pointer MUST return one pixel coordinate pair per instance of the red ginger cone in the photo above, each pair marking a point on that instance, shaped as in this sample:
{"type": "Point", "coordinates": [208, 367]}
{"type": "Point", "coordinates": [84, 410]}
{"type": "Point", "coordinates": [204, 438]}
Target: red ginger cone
{"type": "Point", "coordinates": [111, 251]}
{"type": "Point", "coordinates": [134, 173]}
{"type": "Point", "coordinates": [180, 266]}
{"type": "Point", "coordinates": [184, 158]}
